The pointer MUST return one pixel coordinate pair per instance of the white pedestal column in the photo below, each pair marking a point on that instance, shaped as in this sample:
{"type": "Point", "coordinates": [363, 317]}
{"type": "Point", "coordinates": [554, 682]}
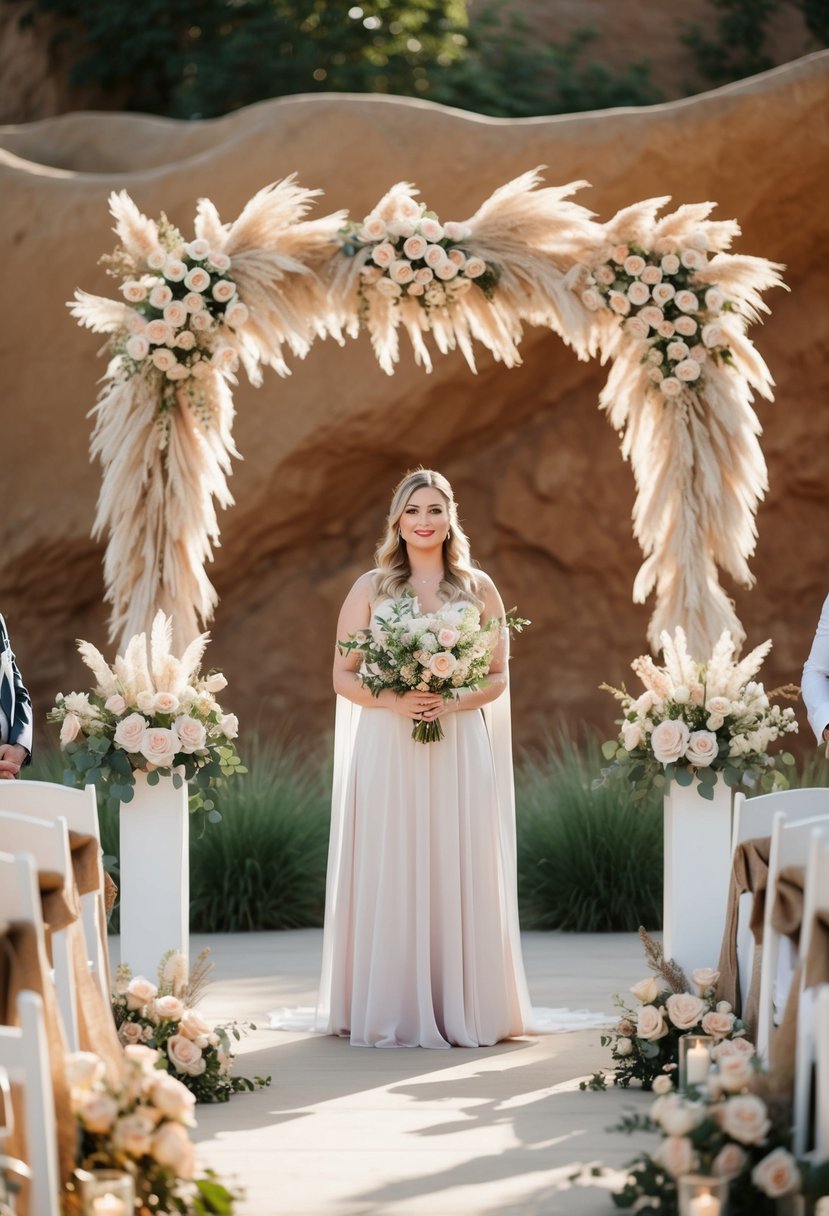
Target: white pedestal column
{"type": "Point", "coordinates": [697, 871]}
{"type": "Point", "coordinates": [155, 874]}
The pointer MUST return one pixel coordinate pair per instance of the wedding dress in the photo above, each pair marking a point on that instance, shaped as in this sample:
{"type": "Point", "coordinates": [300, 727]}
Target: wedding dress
{"type": "Point", "coordinates": [421, 946]}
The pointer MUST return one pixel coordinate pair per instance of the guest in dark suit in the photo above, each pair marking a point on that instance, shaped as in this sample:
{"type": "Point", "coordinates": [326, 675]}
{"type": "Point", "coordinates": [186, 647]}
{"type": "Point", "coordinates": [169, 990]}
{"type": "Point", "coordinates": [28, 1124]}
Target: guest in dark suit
{"type": "Point", "coordinates": [15, 712]}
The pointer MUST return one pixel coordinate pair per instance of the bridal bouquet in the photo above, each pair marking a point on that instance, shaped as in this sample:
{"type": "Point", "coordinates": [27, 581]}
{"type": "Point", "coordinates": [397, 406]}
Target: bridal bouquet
{"type": "Point", "coordinates": [696, 720]}
{"type": "Point", "coordinates": [441, 652]}
{"type": "Point", "coordinates": [163, 1016]}
{"type": "Point", "coordinates": [149, 711]}
{"type": "Point", "coordinates": [139, 1123]}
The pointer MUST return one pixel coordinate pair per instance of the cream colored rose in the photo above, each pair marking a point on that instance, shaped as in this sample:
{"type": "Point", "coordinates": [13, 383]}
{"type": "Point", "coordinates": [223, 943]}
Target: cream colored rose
{"type": "Point", "coordinates": [431, 229]}
{"type": "Point", "coordinates": [704, 978]}
{"type": "Point", "coordinates": [171, 1147]}
{"type": "Point", "coordinates": [130, 732]}
{"type": "Point", "coordinates": [97, 1112]}
{"type": "Point", "coordinates": [632, 735]}
{"type": "Point", "coordinates": [133, 1135]}
{"type": "Point", "coordinates": [83, 1069]}
{"type": "Point", "coordinates": [156, 259]}
{"type": "Point", "coordinates": [201, 321]}
{"type": "Point", "coordinates": [677, 1116]}
{"type": "Point", "coordinates": [70, 728]}
{"type": "Point", "coordinates": [415, 247]}
{"type": "Point", "coordinates": [447, 637]}
{"type": "Point", "coordinates": [174, 270]}
{"type": "Point", "coordinates": [160, 296]}
{"type": "Point", "coordinates": [688, 370]}
{"type": "Point", "coordinates": [677, 351]}
{"type": "Point", "coordinates": [457, 257]}
{"type": "Point", "coordinates": [650, 1023]}
{"type": "Point", "coordinates": [734, 1072]}
{"type": "Point", "coordinates": [236, 314]}
{"type": "Point", "coordinates": [718, 1025]}
{"type": "Point", "coordinates": [636, 327]}
{"type": "Point", "coordinates": [669, 739]}
{"type": "Point", "coordinates": [191, 733]}
{"type": "Point", "coordinates": [165, 703]}
{"type": "Point", "coordinates": [647, 990]}
{"type": "Point", "coordinates": [686, 301]}
{"type": "Point", "coordinates": [115, 703]}
{"type": "Point", "coordinates": [383, 254]}
{"type": "Point", "coordinates": [169, 1008]}
{"type": "Point", "coordinates": [164, 359]}
{"type": "Point", "coordinates": [140, 992]}
{"type": "Point", "coordinates": [424, 275]}
{"type": "Point", "coordinates": [692, 259]}
{"type": "Point", "coordinates": [229, 726]}
{"type": "Point", "coordinates": [454, 231]}
{"type": "Point", "coordinates": [684, 1009]}
{"type": "Point", "coordinates": [223, 291]}
{"type": "Point", "coordinates": [777, 1174]}
{"type": "Point", "coordinates": [197, 279]}
{"type": "Point", "coordinates": [158, 333]}
{"type": "Point", "coordinates": [442, 664]}
{"type": "Point", "coordinates": [185, 1056]}
{"type": "Point", "coordinates": [703, 748]}
{"type": "Point", "coordinates": [137, 347]}
{"type": "Point", "coordinates": [686, 326]}
{"type": "Point", "coordinates": [446, 270]}
{"type": "Point", "coordinates": [665, 329]}
{"type": "Point", "coordinates": [676, 1156]}
{"type": "Point", "coordinates": [186, 340]}
{"type": "Point", "coordinates": [220, 262]}
{"type": "Point", "coordinates": [175, 314]}
{"type": "Point", "coordinates": [663, 293]}
{"type": "Point", "coordinates": [215, 682]}
{"type": "Point", "coordinates": [194, 1027]}
{"type": "Point", "coordinates": [134, 291]}
{"type": "Point", "coordinates": [634, 264]}
{"type": "Point", "coordinates": [173, 1099]}
{"type": "Point", "coordinates": [638, 293]}
{"type": "Point", "coordinates": [131, 1032]}
{"type": "Point", "coordinates": [619, 303]}
{"type": "Point", "coordinates": [591, 299]}
{"type": "Point", "coordinates": [745, 1119]}
{"type": "Point", "coordinates": [198, 249]}
{"type": "Point", "coordinates": [193, 302]}
{"type": "Point", "coordinates": [713, 335]}
{"type": "Point", "coordinates": [662, 1085]}
{"type": "Point", "coordinates": [619, 253]}
{"type": "Point", "coordinates": [623, 1047]}
{"type": "Point", "coordinates": [373, 228]}
{"type": "Point", "coordinates": [651, 275]}
{"type": "Point", "coordinates": [729, 1161]}
{"type": "Point", "coordinates": [401, 271]}
{"type": "Point", "coordinates": [159, 746]}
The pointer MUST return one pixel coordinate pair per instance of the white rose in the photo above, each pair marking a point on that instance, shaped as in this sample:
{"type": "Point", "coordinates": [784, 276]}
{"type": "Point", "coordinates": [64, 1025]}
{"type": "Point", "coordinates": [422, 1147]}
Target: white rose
{"type": "Point", "coordinates": [662, 1085]}
{"type": "Point", "coordinates": [745, 1119]}
{"type": "Point", "coordinates": [192, 1026]}
{"type": "Point", "coordinates": [685, 325]}
{"type": "Point", "coordinates": [159, 746]}
{"type": "Point", "coordinates": [446, 270]}
{"type": "Point", "coordinates": [160, 295]}
{"type": "Point", "coordinates": [687, 370]}
{"type": "Point", "coordinates": [734, 1071]}
{"type": "Point", "coordinates": [129, 733]}
{"type": "Point", "coordinates": [677, 351]}
{"type": "Point", "coordinates": [669, 739]}
{"type": "Point", "coordinates": [170, 1008]}
{"type": "Point", "coordinates": [676, 1156]}
{"type": "Point", "coordinates": [692, 259]}
{"type": "Point", "coordinates": [401, 271]}
{"type": "Point", "coordinates": [647, 990]}
{"type": "Point", "coordinates": [215, 682]}
{"type": "Point", "coordinates": [220, 262]}
{"type": "Point", "coordinates": [133, 291]}
{"type": "Point", "coordinates": [83, 1069]}
{"type": "Point", "coordinates": [651, 275]}
{"type": "Point", "coordinates": [704, 978]}
{"type": "Point", "coordinates": [373, 228]}
{"type": "Point", "coordinates": [70, 728]}
{"type": "Point", "coordinates": [713, 335]}
{"type": "Point", "coordinates": [632, 735]}
{"type": "Point", "coordinates": [140, 992]}
{"type": "Point", "coordinates": [718, 1025]}
{"type": "Point", "coordinates": [590, 298]}
{"type": "Point", "coordinates": [402, 227]}
{"type": "Point", "coordinates": [158, 333]}
{"type": "Point", "coordinates": [671, 387]}
{"type": "Point", "coordinates": [684, 1009]}
{"type": "Point", "coordinates": [133, 1134]}
{"type": "Point", "coordinates": [165, 703]}
{"type": "Point", "coordinates": [638, 293]}
{"type": "Point", "coordinates": [156, 259]}
{"type": "Point", "coordinates": [198, 249]}
{"type": "Point", "coordinates": [650, 1023]}
{"type": "Point", "coordinates": [223, 291]}
{"type": "Point", "coordinates": [442, 664]}
{"type": "Point", "coordinates": [777, 1174]}
{"type": "Point", "coordinates": [171, 1147]}
{"type": "Point", "coordinates": [192, 734]}
{"type": "Point", "coordinates": [164, 359]}
{"type": "Point", "coordinates": [383, 254]}
{"type": "Point", "coordinates": [634, 264]}
{"type": "Point", "coordinates": [130, 1032]}
{"type": "Point", "coordinates": [201, 321]}
{"type": "Point", "coordinates": [474, 268]}
{"type": "Point", "coordinates": [454, 231]}
{"type": "Point", "coordinates": [435, 256]}
{"type": "Point", "coordinates": [173, 1099]}
{"type": "Point", "coordinates": [714, 299]}
{"type": "Point", "coordinates": [174, 270]}
{"type": "Point", "coordinates": [97, 1112]}
{"type": "Point", "coordinates": [236, 314]}
{"type": "Point", "coordinates": [229, 726]}
{"type": "Point", "coordinates": [193, 301]}
{"type": "Point", "coordinates": [197, 279]}
{"type": "Point", "coordinates": [702, 748]}
{"type": "Point", "coordinates": [663, 293]}
{"type": "Point", "coordinates": [415, 247]}
{"type": "Point", "coordinates": [619, 303]}
{"type": "Point", "coordinates": [137, 347]}
{"type": "Point", "coordinates": [175, 314]}
{"type": "Point", "coordinates": [729, 1161]}
{"type": "Point", "coordinates": [686, 301]}
{"type": "Point", "coordinates": [185, 340]}
{"type": "Point", "coordinates": [185, 1056]}
{"type": "Point", "coordinates": [718, 705]}
{"type": "Point", "coordinates": [432, 230]}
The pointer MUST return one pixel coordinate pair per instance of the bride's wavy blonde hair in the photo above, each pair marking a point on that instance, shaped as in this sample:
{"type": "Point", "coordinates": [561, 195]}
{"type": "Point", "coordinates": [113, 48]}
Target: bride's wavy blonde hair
{"type": "Point", "coordinates": [393, 572]}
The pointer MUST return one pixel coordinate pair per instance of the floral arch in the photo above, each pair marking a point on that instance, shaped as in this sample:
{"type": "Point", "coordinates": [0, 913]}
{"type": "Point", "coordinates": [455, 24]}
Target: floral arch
{"type": "Point", "coordinates": [656, 294]}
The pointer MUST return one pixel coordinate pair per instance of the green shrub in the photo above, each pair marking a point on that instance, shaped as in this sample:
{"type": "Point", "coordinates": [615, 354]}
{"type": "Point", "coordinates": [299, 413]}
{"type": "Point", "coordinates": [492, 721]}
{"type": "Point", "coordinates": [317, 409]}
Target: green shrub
{"type": "Point", "coordinates": [588, 860]}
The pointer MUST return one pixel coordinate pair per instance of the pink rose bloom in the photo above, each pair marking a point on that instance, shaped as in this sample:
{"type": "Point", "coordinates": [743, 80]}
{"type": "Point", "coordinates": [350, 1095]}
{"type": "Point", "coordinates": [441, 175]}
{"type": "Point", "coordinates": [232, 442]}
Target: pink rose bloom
{"type": "Point", "coordinates": [442, 664]}
{"type": "Point", "coordinates": [424, 275]}
{"type": "Point", "coordinates": [185, 1056]}
{"type": "Point", "coordinates": [140, 992]}
{"type": "Point", "coordinates": [669, 739]}
{"type": "Point", "coordinates": [373, 229]}
{"type": "Point", "coordinates": [129, 733]}
{"type": "Point", "coordinates": [777, 1174]}
{"type": "Point", "coordinates": [159, 746]}
{"type": "Point", "coordinates": [165, 703]}
{"type": "Point", "coordinates": [745, 1119]}
{"type": "Point", "coordinates": [83, 1069]}
{"type": "Point", "coordinates": [220, 262]}
{"type": "Point", "coordinates": [702, 748]}
{"type": "Point", "coordinates": [194, 1027]}
{"type": "Point", "coordinates": [160, 295]}
{"type": "Point", "coordinates": [676, 1156]}
{"type": "Point", "coordinates": [718, 1025]}
{"type": "Point", "coordinates": [431, 229]}
{"type": "Point", "coordinates": [671, 387]}
{"type": "Point", "coordinates": [171, 1147]}
{"type": "Point", "coordinates": [652, 315]}
{"type": "Point", "coordinates": [651, 275]}
{"type": "Point", "coordinates": [186, 340]}
{"type": "Point", "coordinates": [656, 375]}
{"type": "Point", "coordinates": [70, 728]}
{"type": "Point", "coordinates": [156, 259]}
{"type": "Point", "coordinates": [447, 637]}
{"type": "Point", "coordinates": [692, 259]}
{"type": "Point", "coordinates": [638, 293]}
{"type": "Point", "coordinates": [663, 293]}
{"type": "Point", "coordinates": [474, 268]}
{"type": "Point", "coordinates": [688, 370]}
{"type": "Point", "coordinates": [729, 1161]}
{"type": "Point", "coordinates": [699, 353]}
{"type": "Point", "coordinates": [684, 1009]}
{"type": "Point", "coordinates": [158, 333]}
{"type": "Point", "coordinates": [415, 247]}
{"type": "Point", "coordinates": [446, 270]}
{"type": "Point", "coordinates": [686, 301]}
{"type": "Point", "coordinates": [704, 977]}
{"type": "Point", "coordinates": [647, 990]}
{"type": "Point", "coordinates": [163, 359]}
{"type": "Point", "coordinates": [229, 726]}
{"type": "Point", "coordinates": [130, 1032]}
{"type": "Point", "coordinates": [173, 1099]}
{"type": "Point", "coordinates": [634, 264]}
{"type": "Point", "coordinates": [223, 291]}
{"type": "Point", "coordinates": [192, 734]}
{"type": "Point", "coordinates": [201, 321]}
{"type": "Point", "coordinates": [685, 325]}
{"type": "Point", "coordinates": [197, 279]}
{"type": "Point", "coordinates": [677, 351]}
{"type": "Point", "coordinates": [665, 329]}
{"type": "Point", "coordinates": [170, 1008]}
{"type": "Point", "coordinates": [174, 270]}
{"type": "Point", "coordinates": [193, 301]}
{"type": "Point", "coordinates": [133, 291]}
{"type": "Point", "coordinates": [619, 253]}
{"type": "Point", "coordinates": [650, 1023]}
{"type": "Point", "coordinates": [198, 249]}
{"type": "Point", "coordinates": [401, 271]}
{"type": "Point", "coordinates": [632, 735]}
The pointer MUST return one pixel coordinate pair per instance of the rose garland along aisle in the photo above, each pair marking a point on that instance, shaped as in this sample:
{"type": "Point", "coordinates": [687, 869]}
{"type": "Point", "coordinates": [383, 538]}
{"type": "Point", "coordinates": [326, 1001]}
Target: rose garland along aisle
{"type": "Point", "coordinates": [148, 712]}
{"type": "Point", "coordinates": [671, 308]}
{"type": "Point", "coordinates": [163, 1016]}
{"type": "Point", "coordinates": [697, 720]}
{"type": "Point", "coordinates": [192, 311]}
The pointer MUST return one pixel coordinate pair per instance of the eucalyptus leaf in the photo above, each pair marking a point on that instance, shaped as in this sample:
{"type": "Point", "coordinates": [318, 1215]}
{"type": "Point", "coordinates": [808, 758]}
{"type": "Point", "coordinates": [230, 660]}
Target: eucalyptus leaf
{"type": "Point", "coordinates": [684, 777]}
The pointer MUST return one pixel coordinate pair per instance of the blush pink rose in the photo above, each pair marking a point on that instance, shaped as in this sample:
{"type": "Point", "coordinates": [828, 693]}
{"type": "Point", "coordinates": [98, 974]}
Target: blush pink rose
{"type": "Point", "coordinates": [170, 1008]}
{"type": "Point", "coordinates": [703, 748]}
{"type": "Point", "coordinates": [704, 978]}
{"type": "Point", "coordinates": [137, 347]}
{"type": "Point", "coordinates": [442, 664]}
{"type": "Point", "coordinates": [718, 1025]}
{"type": "Point", "coordinates": [173, 1099]}
{"type": "Point", "coordinates": [634, 264]}
{"type": "Point", "coordinates": [745, 1119]}
{"type": "Point", "coordinates": [777, 1174]}
{"type": "Point", "coordinates": [684, 1009]}
{"type": "Point", "coordinates": [447, 637]}
{"type": "Point", "coordinates": [669, 739]}
{"type": "Point", "coordinates": [650, 1023]}
{"type": "Point", "coordinates": [638, 293]}
{"type": "Point", "coordinates": [192, 734]}
{"type": "Point", "coordinates": [676, 1156]}
{"type": "Point", "coordinates": [70, 728]}
{"type": "Point", "coordinates": [172, 1147]}
{"type": "Point", "coordinates": [97, 1112]}
{"type": "Point", "coordinates": [130, 1032]}
{"type": "Point", "coordinates": [130, 731]}
{"type": "Point", "coordinates": [159, 746]}
{"type": "Point", "coordinates": [415, 247]}
{"type": "Point", "coordinates": [474, 268]}
{"type": "Point", "coordinates": [140, 992]}
{"type": "Point", "coordinates": [729, 1161]}
{"type": "Point", "coordinates": [185, 1056]}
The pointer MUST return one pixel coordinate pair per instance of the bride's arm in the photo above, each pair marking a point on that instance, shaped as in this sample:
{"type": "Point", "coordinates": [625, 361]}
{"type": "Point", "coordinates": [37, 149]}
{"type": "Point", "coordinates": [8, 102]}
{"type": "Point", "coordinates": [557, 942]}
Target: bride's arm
{"type": "Point", "coordinates": [497, 677]}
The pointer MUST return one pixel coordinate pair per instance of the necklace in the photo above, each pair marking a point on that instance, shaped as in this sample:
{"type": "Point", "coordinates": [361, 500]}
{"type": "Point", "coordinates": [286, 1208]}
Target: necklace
{"type": "Point", "coordinates": [430, 579]}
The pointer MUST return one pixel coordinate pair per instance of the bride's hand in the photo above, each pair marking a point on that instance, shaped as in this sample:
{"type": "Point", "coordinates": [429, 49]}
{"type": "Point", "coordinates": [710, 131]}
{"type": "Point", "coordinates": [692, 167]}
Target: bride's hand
{"type": "Point", "coordinates": [420, 706]}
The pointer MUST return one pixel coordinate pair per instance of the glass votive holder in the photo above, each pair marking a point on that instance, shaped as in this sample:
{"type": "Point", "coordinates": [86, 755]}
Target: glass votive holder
{"type": "Point", "coordinates": [694, 1059]}
{"type": "Point", "coordinates": [106, 1192]}
{"type": "Point", "coordinates": [702, 1195]}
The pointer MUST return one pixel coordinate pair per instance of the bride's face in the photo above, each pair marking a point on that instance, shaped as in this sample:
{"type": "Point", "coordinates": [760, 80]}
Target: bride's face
{"type": "Point", "coordinates": [424, 523]}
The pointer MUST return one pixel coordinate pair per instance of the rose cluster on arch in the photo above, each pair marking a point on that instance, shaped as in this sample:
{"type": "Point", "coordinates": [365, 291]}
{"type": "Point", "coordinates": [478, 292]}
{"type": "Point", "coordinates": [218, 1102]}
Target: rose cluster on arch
{"type": "Point", "coordinates": [182, 298]}
{"type": "Point", "coordinates": [412, 256]}
{"type": "Point", "coordinates": [658, 301]}
{"type": "Point", "coordinates": [696, 720]}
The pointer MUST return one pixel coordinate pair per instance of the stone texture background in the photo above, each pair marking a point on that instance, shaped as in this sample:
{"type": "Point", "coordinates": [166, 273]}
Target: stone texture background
{"type": "Point", "coordinates": [542, 489]}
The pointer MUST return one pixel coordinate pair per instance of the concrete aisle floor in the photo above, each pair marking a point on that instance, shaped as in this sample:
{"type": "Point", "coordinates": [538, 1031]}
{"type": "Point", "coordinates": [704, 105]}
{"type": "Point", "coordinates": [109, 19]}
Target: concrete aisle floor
{"type": "Point", "coordinates": [359, 1132]}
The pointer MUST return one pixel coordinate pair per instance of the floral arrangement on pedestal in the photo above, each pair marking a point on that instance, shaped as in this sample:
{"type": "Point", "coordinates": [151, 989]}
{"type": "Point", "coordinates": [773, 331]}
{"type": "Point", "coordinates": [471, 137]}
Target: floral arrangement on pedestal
{"type": "Point", "coordinates": [734, 1127]}
{"type": "Point", "coordinates": [162, 1015]}
{"type": "Point", "coordinates": [150, 712]}
{"type": "Point", "coordinates": [138, 1122]}
{"type": "Point", "coordinates": [190, 312]}
{"type": "Point", "coordinates": [474, 280]}
{"type": "Point", "coordinates": [698, 720]}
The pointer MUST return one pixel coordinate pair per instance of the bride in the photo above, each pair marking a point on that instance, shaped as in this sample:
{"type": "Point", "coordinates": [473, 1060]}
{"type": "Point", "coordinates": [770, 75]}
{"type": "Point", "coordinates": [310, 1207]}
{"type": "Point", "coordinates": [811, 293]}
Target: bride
{"type": "Point", "coordinates": [421, 941]}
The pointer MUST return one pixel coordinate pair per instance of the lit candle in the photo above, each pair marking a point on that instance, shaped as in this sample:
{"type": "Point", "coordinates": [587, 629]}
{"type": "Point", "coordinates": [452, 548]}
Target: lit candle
{"type": "Point", "coordinates": [697, 1064]}
{"type": "Point", "coordinates": [109, 1205]}
{"type": "Point", "coordinates": [705, 1204]}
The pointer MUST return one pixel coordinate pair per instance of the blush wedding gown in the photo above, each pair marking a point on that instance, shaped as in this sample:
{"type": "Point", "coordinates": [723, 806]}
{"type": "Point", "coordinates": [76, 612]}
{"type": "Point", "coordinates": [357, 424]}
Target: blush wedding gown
{"type": "Point", "coordinates": [421, 946]}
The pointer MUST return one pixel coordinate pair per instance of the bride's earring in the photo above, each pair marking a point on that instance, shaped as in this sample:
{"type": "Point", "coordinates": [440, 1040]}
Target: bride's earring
{"type": "Point", "coordinates": [449, 534]}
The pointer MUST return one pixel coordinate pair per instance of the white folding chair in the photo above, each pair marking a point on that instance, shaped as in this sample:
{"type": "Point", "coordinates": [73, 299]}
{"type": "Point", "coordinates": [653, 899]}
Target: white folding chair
{"type": "Point", "coordinates": [755, 816]}
{"type": "Point", "coordinates": [822, 1073]}
{"type": "Point", "coordinates": [48, 843]}
{"type": "Point", "coordinates": [24, 1054]}
{"type": "Point", "coordinates": [790, 845]}
{"type": "Point", "coordinates": [815, 899]}
{"type": "Point", "coordinates": [45, 800]}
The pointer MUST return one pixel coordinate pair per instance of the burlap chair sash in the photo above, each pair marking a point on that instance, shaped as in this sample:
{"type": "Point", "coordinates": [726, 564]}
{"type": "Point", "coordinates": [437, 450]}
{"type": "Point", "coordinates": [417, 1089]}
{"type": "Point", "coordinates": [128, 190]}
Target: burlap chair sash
{"type": "Point", "coordinates": [787, 919]}
{"type": "Point", "coordinates": [85, 851]}
{"type": "Point", "coordinates": [749, 874]}
{"type": "Point", "coordinates": [817, 960]}
{"type": "Point", "coordinates": [787, 916]}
